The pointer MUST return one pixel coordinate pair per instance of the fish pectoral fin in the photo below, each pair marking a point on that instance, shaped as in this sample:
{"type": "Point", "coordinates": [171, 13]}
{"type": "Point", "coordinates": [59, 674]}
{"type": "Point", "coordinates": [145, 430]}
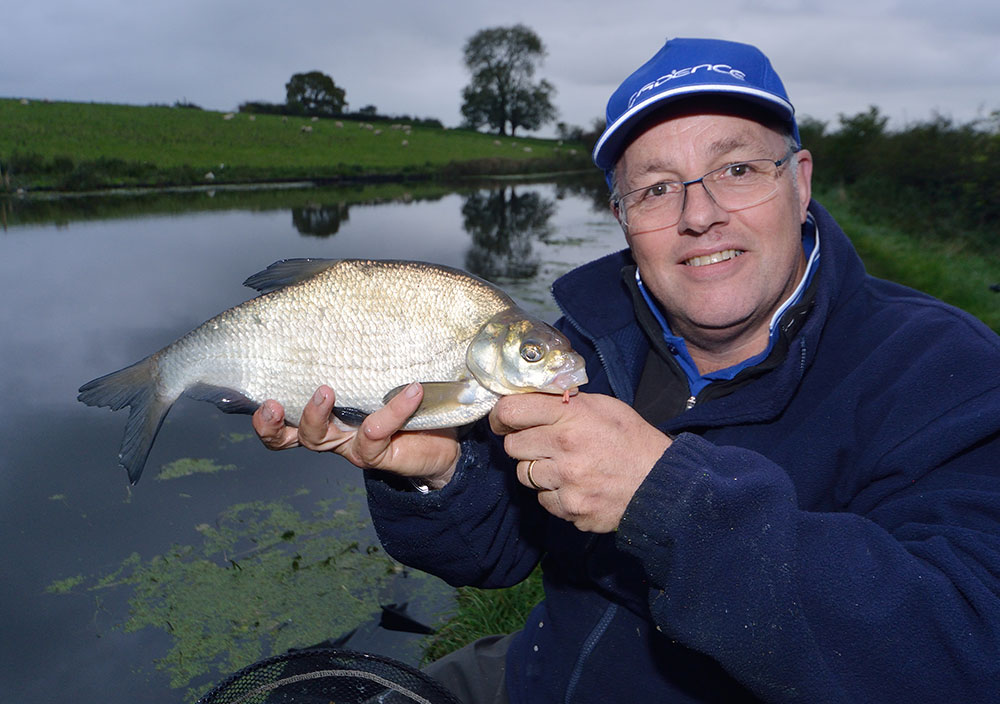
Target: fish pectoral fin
{"type": "Point", "coordinates": [286, 272]}
{"type": "Point", "coordinates": [227, 400]}
{"type": "Point", "coordinates": [441, 395]}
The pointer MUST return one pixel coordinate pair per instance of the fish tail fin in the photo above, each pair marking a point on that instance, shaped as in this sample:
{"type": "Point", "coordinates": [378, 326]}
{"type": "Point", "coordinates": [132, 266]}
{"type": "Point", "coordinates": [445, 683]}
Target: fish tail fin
{"type": "Point", "coordinates": [135, 387]}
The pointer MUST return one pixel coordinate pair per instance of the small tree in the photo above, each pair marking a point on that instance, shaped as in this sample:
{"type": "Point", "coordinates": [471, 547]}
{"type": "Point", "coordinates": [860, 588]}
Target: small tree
{"type": "Point", "coordinates": [503, 61]}
{"type": "Point", "coordinates": [314, 93]}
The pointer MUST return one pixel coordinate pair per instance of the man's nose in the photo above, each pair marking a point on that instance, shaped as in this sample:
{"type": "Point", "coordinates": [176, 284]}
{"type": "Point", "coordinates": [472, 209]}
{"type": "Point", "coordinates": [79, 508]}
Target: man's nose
{"type": "Point", "coordinates": [699, 212]}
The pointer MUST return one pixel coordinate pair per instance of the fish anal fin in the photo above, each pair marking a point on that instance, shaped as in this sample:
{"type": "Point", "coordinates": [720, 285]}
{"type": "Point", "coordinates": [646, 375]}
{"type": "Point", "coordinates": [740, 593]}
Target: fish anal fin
{"type": "Point", "coordinates": [352, 417]}
{"type": "Point", "coordinates": [227, 400]}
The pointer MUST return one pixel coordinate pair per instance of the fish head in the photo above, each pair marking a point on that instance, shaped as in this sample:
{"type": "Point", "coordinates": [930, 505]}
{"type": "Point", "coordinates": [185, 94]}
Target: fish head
{"type": "Point", "coordinates": [515, 352]}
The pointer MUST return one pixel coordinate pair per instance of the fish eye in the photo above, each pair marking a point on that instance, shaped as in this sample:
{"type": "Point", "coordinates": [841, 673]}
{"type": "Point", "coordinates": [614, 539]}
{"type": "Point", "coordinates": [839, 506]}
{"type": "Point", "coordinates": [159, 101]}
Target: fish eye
{"type": "Point", "coordinates": [532, 351]}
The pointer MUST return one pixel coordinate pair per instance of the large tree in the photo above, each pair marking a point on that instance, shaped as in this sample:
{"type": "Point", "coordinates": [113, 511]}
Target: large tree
{"type": "Point", "coordinates": [503, 61]}
{"type": "Point", "coordinates": [314, 93]}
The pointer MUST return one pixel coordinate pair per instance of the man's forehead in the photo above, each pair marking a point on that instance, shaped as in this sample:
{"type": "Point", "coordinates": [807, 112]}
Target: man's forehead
{"type": "Point", "coordinates": [669, 142]}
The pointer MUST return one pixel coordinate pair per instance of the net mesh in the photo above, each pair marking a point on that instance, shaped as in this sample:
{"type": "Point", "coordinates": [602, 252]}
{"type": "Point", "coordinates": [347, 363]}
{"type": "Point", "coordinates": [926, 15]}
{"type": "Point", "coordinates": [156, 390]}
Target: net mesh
{"type": "Point", "coordinates": [329, 676]}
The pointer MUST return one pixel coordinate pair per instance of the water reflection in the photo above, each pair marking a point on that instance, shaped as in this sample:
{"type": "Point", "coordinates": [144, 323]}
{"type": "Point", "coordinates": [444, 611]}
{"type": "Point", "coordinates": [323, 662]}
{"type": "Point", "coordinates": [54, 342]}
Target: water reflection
{"type": "Point", "coordinates": [587, 188]}
{"type": "Point", "coordinates": [317, 220]}
{"type": "Point", "coordinates": [113, 278]}
{"type": "Point", "coordinates": [503, 223]}
{"type": "Point", "coordinates": [62, 210]}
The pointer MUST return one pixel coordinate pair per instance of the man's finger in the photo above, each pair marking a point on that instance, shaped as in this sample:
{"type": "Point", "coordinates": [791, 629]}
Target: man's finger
{"type": "Point", "coordinates": [269, 424]}
{"type": "Point", "coordinates": [388, 420]}
{"type": "Point", "coordinates": [315, 422]}
{"type": "Point", "coordinates": [520, 411]}
{"type": "Point", "coordinates": [371, 447]}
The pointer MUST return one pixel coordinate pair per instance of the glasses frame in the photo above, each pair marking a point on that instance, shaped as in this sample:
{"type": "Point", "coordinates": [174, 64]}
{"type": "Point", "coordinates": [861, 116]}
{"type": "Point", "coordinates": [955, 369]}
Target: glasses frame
{"type": "Point", "coordinates": [620, 211]}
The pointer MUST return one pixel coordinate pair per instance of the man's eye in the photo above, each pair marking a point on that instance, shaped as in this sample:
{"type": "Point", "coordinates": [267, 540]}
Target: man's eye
{"type": "Point", "coordinates": [658, 189]}
{"type": "Point", "coordinates": [738, 170]}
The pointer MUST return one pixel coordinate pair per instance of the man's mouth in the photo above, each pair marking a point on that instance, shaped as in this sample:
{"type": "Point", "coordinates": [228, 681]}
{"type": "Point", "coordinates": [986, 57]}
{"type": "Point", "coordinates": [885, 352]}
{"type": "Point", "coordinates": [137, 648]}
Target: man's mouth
{"type": "Point", "coordinates": [713, 258]}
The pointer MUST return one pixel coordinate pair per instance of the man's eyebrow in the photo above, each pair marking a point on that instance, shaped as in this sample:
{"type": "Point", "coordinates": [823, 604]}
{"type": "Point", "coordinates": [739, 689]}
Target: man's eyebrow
{"type": "Point", "coordinates": [653, 166]}
{"type": "Point", "coordinates": [727, 145]}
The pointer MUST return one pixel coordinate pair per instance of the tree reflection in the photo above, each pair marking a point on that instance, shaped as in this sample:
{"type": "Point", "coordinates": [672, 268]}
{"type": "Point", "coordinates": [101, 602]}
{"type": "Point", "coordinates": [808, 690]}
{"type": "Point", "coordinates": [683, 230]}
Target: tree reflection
{"type": "Point", "coordinates": [589, 186]}
{"type": "Point", "coordinates": [317, 220]}
{"type": "Point", "coordinates": [503, 224]}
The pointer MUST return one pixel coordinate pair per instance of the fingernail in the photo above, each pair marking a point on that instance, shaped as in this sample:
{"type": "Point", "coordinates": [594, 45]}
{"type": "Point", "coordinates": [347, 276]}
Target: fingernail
{"type": "Point", "coordinates": [319, 397]}
{"type": "Point", "coordinates": [267, 413]}
{"type": "Point", "coordinates": [412, 390]}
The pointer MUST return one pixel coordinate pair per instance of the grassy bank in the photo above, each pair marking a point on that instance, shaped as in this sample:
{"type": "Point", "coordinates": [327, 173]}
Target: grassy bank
{"type": "Point", "coordinates": [482, 612]}
{"type": "Point", "coordinates": [956, 269]}
{"type": "Point", "coordinates": [84, 146]}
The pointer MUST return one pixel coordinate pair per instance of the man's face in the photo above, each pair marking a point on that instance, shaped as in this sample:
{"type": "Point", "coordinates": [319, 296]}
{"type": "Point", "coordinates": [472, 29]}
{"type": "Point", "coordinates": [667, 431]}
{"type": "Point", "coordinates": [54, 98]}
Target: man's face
{"type": "Point", "coordinates": [722, 307]}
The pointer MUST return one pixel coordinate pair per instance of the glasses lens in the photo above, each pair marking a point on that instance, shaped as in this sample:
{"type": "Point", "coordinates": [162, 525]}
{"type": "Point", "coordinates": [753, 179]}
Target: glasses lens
{"type": "Point", "coordinates": [659, 204]}
{"type": "Point", "coordinates": [743, 185]}
{"type": "Point", "coordinates": [733, 187]}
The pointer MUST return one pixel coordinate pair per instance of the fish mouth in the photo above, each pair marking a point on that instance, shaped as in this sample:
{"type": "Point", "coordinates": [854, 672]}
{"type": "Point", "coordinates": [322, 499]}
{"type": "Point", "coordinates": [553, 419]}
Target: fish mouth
{"type": "Point", "coordinates": [713, 258]}
{"type": "Point", "coordinates": [570, 379]}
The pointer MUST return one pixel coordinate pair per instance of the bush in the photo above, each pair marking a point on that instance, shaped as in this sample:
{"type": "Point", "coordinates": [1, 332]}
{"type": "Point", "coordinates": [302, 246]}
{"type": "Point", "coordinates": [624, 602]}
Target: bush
{"type": "Point", "coordinates": [931, 178]}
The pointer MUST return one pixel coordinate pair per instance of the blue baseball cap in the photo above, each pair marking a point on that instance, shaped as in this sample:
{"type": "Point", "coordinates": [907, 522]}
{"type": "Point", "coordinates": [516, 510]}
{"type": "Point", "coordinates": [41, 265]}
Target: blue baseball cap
{"type": "Point", "coordinates": [685, 68]}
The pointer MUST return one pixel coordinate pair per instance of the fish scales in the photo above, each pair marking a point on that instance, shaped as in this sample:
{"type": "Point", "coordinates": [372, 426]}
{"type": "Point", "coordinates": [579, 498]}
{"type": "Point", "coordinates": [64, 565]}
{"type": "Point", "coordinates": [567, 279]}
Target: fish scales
{"type": "Point", "coordinates": [361, 330]}
{"type": "Point", "coordinates": [363, 327]}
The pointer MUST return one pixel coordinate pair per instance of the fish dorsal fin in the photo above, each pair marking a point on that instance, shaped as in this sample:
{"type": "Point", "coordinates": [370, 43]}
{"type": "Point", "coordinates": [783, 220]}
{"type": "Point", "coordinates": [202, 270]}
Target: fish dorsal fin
{"type": "Point", "coordinates": [286, 272]}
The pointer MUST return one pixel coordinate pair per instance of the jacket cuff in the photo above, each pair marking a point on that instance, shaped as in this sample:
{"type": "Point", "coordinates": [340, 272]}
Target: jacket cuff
{"type": "Point", "coordinates": [390, 489]}
{"type": "Point", "coordinates": [702, 499]}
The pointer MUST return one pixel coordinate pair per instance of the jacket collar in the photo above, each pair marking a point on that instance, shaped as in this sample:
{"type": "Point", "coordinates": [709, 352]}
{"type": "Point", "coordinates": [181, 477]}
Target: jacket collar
{"type": "Point", "coordinates": [595, 301]}
{"type": "Point", "coordinates": [676, 347]}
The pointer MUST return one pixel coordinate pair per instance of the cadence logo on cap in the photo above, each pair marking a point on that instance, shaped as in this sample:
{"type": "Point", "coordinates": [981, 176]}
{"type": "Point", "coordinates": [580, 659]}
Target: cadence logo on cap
{"type": "Point", "coordinates": [679, 73]}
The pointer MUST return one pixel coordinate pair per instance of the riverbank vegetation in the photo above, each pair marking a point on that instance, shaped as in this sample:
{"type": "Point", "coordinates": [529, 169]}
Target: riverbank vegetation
{"type": "Point", "coordinates": [88, 146]}
{"type": "Point", "coordinates": [933, 179]}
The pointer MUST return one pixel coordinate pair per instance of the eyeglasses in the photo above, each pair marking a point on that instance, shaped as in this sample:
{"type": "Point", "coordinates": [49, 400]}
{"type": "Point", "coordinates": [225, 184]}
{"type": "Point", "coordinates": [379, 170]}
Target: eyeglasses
{"type": "Point", "coordinates": [733, 187]}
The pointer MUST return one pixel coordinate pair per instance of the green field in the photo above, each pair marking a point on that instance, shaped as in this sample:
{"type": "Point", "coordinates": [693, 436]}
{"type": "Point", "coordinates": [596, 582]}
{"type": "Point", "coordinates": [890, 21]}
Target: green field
{"type": "Point", "coordinates": [81, 146]}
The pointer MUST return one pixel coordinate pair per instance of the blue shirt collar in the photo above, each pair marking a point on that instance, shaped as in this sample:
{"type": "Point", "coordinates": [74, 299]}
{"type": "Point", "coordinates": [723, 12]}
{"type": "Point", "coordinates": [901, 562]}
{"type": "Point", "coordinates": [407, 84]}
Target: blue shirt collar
{"type": "Point", "coordinates": [678, 347]}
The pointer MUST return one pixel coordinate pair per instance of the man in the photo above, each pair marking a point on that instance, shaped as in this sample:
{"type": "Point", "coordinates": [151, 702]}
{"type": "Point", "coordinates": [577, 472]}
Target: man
{"type": "Point", "coordinates": [782, 482]}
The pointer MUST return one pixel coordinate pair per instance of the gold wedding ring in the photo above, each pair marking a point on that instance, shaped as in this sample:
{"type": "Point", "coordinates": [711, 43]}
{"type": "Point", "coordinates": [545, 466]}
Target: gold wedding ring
{"type": "Point", "coordinates": [532, 481]}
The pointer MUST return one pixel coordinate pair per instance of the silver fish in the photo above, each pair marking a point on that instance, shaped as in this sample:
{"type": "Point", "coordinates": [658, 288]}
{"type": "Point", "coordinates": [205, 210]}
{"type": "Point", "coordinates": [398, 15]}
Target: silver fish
{"type": "Point", "coordinates": [365, 328]}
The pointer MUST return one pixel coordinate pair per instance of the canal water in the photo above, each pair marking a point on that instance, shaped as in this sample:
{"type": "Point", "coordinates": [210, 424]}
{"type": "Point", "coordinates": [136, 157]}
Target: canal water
{"type": "Point", "coordinates": [224, 553]}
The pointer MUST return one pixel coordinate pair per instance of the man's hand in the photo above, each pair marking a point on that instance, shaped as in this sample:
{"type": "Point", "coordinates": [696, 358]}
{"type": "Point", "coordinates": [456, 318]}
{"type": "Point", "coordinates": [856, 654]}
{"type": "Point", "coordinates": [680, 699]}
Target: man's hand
{"type": "Point", "coordinates": [429, 455]}
{"type": "Point", "coordinates": [590, 454]}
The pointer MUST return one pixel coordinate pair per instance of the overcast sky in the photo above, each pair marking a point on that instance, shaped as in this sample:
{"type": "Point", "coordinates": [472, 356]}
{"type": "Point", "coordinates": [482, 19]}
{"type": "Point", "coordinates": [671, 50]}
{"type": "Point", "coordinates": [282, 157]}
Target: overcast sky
{"type": "Point", "coordinates": [911, 58]}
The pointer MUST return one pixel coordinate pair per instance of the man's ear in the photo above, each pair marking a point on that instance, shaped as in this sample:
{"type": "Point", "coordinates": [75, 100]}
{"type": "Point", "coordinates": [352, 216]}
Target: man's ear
{"type": "Point", "coordinates": [804, 164]}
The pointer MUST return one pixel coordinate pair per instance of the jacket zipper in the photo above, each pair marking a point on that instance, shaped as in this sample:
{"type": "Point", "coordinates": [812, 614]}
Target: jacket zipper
{"type": "Point", "coordinates": [612, 380]}
{"type": "Point", "coordinates": [688, 405]}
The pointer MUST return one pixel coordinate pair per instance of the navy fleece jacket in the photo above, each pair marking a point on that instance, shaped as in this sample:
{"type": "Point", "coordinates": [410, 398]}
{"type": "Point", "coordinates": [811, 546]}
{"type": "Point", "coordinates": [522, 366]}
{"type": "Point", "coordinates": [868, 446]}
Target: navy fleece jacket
{"type": "Point", "coordinates": [827, 532]}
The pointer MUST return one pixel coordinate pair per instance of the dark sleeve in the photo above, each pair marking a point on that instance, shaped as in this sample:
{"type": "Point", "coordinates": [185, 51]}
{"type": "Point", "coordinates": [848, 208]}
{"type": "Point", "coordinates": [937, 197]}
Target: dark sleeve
{"type": "Point", "coordinates": [481, 529]}
{"type": "Point", "coordinates": [896, 601]}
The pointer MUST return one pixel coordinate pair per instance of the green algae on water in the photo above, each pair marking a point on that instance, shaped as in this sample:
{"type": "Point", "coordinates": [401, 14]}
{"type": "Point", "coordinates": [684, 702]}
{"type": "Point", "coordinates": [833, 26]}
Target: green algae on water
{"type": "Point", "coordinates": [263, 578]}
{"type": "Point", "coordinates": [188, 466]}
